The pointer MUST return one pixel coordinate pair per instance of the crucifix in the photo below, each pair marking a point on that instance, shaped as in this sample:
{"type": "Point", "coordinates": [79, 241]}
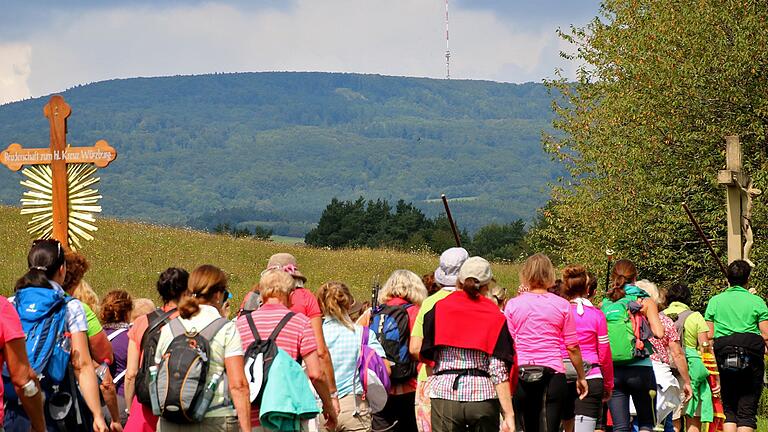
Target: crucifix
{"type": "Point", "coordinates": [59, 198]}
{"type": "Point", "coordinates": [739, 196]}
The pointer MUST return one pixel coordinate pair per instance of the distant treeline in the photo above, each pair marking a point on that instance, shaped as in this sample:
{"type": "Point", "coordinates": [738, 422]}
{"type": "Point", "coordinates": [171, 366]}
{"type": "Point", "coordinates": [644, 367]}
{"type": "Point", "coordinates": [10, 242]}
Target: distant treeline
{"type": "Point", "coordinates": [377, 224]}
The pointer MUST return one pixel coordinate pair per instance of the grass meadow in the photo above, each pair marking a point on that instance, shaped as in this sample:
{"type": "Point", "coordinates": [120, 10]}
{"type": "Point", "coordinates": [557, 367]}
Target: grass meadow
{"type": "Point", "coordinates": [130, 255]}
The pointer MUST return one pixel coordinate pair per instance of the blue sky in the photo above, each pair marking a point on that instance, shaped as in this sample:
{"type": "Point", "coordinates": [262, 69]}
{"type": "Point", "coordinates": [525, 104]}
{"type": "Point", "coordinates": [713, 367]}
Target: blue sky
{"type": "Point", "coordinates": [47, 46]}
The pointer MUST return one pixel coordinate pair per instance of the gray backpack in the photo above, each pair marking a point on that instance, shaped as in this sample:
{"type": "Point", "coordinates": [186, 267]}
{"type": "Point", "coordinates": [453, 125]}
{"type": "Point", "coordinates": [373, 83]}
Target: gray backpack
{"type": "Point", "coordinates": [182, 372]}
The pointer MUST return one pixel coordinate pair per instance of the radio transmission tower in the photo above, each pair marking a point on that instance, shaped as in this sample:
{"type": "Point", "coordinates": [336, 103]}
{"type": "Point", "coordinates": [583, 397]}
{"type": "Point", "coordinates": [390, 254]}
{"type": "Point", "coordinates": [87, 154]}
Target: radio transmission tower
{"type": "Point", "coordinates": [447, 46]}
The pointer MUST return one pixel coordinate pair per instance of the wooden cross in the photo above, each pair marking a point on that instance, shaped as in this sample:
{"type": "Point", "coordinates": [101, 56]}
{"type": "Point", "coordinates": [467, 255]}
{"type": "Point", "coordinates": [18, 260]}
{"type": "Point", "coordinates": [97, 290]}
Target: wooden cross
{"type": "Point", "coordinates": [58, 156]}
{"type": "Point", "coordinates": [740, 194]}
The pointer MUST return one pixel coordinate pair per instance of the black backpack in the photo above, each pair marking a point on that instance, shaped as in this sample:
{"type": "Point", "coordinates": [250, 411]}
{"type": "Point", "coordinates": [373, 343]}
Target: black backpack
{"type": "Point", "coordinates": [156, 319]}
{"type": "Point", "coordinates": [259, 357]}
{"type": "Point", "coordinates": [183, 371]}
{"type": "Point", "coordinates": [392, 328]}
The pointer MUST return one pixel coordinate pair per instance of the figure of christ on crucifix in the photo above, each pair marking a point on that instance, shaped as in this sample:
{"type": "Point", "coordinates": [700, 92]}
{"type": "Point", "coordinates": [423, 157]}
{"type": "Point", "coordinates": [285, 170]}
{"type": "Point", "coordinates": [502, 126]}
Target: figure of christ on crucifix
{"type": "Point", "coordinates": [60, 198]}
{"type": "Point", "coordinates": [740, 196]}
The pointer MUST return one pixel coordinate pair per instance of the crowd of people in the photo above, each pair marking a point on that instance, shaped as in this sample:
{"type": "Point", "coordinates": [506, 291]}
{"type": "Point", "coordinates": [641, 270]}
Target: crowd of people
{"type": "Point", "coordinates": [447, 351]}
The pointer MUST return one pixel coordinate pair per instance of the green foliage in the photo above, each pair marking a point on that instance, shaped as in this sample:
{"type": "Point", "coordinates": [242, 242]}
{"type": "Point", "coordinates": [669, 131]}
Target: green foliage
{"type": "Point", "coordinates": [259, 232]}
{"type": "Point", "coordinates": [273, 149]}
{"type": "Point", "coordinates": [374, 224]}
{"type": "Point", "coordinates": [642, 129]}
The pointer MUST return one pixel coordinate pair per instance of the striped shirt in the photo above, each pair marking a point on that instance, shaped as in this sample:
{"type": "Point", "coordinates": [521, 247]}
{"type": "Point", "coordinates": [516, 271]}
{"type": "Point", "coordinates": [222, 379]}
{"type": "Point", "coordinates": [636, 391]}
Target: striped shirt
{"type": "Point", "coordinates": [471, 388]}
{"type": "Point", "coordinates": [296, 338]}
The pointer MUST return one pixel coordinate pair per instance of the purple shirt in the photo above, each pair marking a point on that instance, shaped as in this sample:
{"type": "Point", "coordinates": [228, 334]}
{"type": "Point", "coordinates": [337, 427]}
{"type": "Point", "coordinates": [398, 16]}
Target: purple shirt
{"type": "Point", "coordinates": [120, 351]}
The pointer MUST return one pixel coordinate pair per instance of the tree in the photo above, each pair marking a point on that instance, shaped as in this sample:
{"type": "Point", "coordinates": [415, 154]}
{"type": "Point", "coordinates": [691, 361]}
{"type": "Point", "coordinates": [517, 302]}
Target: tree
{"type": "Point", "coordinates": [642, 131]}
{"type": "Point", "coordinates": [500, 242]}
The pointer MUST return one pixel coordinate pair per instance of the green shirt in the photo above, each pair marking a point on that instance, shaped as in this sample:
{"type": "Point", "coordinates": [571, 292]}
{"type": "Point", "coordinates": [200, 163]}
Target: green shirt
{"type": "Point", "coordinates": [694, 324]}
{"type": "Point", "coordinates": [94, 326]}
{"type": "Point", "coordinates": [418, 326]}
{"type": "Point", "coordinates": [736, 310]}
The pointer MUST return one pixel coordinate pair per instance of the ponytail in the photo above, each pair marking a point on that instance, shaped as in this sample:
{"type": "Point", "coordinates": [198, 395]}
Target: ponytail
{"type": "Point", "coordinates": [471, 286]}
{"type": "Point", "coordinates": [204, 282]}
{"type": "Point", "coordinates": [624, 272]}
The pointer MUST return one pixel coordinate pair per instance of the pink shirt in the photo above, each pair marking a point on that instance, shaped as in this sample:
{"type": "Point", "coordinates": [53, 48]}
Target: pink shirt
{"type": "Point", "coordinates": [592, 333]}
{"type": "Point", "coordinates": [10, 329]}
{"type": "Point", "coordinates": [538, 323]}
{"type": "Point", "coordinates": [304, 302]}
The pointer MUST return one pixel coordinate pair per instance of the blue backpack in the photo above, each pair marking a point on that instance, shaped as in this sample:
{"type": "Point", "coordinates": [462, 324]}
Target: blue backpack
{"type": "Point", "coordinates": [391, 325]}
{"type": "Point", "coordinates": [43, 318]}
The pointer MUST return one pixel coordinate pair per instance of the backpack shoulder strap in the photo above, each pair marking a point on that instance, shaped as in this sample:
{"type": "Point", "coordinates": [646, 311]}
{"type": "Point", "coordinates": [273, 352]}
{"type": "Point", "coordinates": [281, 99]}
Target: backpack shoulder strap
{"type": "Point", "coordinates": [116, 333]}
{"type": "Point", "coordinates": [210, 331]}
{"type": "Point", "coordinates": [281, 324]}
{"type": "Point", "coordinates": [177, 328]}
{"type": "Point", "coordinates": [252, 325]}
{"type": "Point", "coordinates": [155, 319]}
{"type": "Point", "coordinates": [680, 324]}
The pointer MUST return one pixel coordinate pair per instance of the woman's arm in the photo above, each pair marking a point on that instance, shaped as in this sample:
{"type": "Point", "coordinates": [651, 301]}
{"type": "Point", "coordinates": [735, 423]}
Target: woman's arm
{"type": "Point", "coordinates": [238, 390]}
{"type": "Point", "coordinates": [131, 370]}
{"type": "Point", "coordinates": [324, 357]}
{"type": "Point", "coordinates": [21, 373]}
{"type": "Point", "coordinates": [101, 348]}
{"type": "Point", "coordinates": [574, 353]}
{"type": "Point", "coordinates": [86, 376]}
{"type": "Point", "coordinates": [317, 377]}
{"type": "Point", "coordinates": [605, 357]}
{"type": "Point", "coordinates": [505, 399]}
{"type": "Point", "coordinates": [109, 392]}
{"type": "Point", "coordinates": [678, 356]}
{"type": "Point", "coordinates": [414, 347]}
{"type": "Point", "coordinates": [651, 311]}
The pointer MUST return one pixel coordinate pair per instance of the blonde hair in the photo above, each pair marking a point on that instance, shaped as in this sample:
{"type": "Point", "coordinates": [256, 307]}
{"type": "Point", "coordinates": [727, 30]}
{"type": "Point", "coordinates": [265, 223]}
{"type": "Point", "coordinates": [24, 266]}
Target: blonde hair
{"type": "Point", "coordinates": [335, 301]}
{"type": "Point", "coordinates": [141, 306]}
{"type": "Point", "coordinates": [205, 282]}
{"type": "Point", "coordinates": [538, 272]}
{"type": "Point", "coordinates": [87, 295]}
{"type": "Point", "coordinates": [276, 284]}
{"type": "Point", "coordinates": [651, 289]}
{"type": "Point", "coordinates": [403, 284]}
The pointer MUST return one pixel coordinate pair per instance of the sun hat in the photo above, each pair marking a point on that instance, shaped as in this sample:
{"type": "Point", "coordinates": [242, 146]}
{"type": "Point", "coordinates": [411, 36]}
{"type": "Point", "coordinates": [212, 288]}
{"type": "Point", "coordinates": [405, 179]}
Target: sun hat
{"type": "Point", "coordinates": [477, 268]}
{"type": "Point", "coordinates": [287, 263]}
{"type": "Point", "coordinates": [450, 263]}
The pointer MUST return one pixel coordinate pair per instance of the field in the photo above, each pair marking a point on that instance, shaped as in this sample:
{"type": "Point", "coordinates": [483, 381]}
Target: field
{"type": "Point", "coordinates": [130, 255]}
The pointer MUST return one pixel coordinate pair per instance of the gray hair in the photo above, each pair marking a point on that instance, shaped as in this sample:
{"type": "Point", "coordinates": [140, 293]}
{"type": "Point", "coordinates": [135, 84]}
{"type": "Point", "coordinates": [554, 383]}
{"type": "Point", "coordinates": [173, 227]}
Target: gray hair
{"type": "Point", "coordinates": [403, 284]}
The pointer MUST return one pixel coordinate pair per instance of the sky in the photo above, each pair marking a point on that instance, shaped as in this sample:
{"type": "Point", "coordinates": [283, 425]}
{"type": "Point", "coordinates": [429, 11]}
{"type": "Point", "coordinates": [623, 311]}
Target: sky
{"type": "Point", "coordinates": [47, 46]}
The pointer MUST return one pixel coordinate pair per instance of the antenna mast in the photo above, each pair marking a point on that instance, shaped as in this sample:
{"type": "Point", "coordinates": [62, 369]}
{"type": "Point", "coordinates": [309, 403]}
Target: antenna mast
{"type": "Point", "coordinates": [447, 47]}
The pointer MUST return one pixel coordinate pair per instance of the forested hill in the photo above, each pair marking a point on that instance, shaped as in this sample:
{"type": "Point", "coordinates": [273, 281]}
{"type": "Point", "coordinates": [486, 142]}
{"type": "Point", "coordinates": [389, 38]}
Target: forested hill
{"type": "Point", "coordinates": [275, 148]}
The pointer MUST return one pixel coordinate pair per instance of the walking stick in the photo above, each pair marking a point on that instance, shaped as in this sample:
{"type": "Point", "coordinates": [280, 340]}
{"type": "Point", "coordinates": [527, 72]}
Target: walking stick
{"type": "Point", "coordinates": [450, 220]}
{"type": "Point", "coordinates": [700, 232]}
{"type": "Point", "coordinates": [609, 257]}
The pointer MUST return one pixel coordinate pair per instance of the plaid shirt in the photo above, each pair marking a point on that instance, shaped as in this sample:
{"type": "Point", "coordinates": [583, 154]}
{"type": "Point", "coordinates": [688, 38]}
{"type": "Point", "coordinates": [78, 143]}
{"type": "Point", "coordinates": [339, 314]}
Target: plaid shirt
{"type": "Point", "coordinates": [470, 388]}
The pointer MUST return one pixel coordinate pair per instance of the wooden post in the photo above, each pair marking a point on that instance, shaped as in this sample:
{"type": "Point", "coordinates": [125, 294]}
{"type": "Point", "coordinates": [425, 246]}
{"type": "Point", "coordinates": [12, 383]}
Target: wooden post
{"type": "Point", "coordinates": [734, 179]}
{"type": "Point", "coordinates": [57, 112]}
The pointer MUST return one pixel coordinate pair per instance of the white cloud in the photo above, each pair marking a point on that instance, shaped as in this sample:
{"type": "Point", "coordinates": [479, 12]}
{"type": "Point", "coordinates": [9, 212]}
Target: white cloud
{"type": "Point", "coordinates": [394, 37]}
{"type": "Point", "coordinates": [14, 71]}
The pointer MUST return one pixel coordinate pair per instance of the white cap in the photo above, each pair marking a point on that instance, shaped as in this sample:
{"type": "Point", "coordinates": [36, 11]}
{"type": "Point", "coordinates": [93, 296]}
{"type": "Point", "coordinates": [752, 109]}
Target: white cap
{"type": "Point", "coordinates": [450, 263]}
{"type": "Point", "coordinates": [477, 268]}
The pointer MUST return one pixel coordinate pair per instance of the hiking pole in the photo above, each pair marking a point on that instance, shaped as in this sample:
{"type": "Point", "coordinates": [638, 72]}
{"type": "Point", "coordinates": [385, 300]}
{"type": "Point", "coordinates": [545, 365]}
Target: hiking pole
{"type": "Point", "coordinates": [450, 220]}
{"type": "Point", "coordinates": [609, 257]}
{"type": "Point", "coordinates": [706, 240]}
{"type": "Point", "coordinates": [375, 287]}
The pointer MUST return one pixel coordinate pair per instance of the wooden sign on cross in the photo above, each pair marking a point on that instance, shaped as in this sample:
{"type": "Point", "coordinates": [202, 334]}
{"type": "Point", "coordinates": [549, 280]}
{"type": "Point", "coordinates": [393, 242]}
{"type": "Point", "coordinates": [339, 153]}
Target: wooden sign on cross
{"type": "Point", "coordinates": [60, 157]}
{"type": "Point", "coordinates": [740, 193]}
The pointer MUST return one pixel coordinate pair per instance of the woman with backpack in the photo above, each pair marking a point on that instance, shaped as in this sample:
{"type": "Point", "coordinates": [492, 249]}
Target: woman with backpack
{"type": "Point", "coordinates": [39, 288]}
{"type": "Point", "coordinates": [344, 340]}
{"type": "Point", "coordinates": [115, 314]}
{"type": "Point", "coordinates": [582, 415]}
{"type": "Point", "coordinates": [200, 323]}
{"type": "Point", "coordinates": [539, 323]}
{"type": "Point", "coordinates": [171, 286]}
{"type": "Point", "coordinates": [399, 301]}
{"type": "Point", "coordinates": [292, 333]}
{"type": "Point", "coordinates": [467, 338]}
{"type": "Point", "coordinates": [626, 308]}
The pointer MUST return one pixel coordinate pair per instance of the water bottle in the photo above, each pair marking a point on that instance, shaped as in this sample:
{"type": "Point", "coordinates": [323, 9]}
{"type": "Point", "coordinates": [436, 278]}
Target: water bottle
{"type": "Point", "coordinates": [153, 390]}
{"type": "Point", "coordinates": [205, 401]}
{"type": "Point", "coordinates": [101, 371]}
